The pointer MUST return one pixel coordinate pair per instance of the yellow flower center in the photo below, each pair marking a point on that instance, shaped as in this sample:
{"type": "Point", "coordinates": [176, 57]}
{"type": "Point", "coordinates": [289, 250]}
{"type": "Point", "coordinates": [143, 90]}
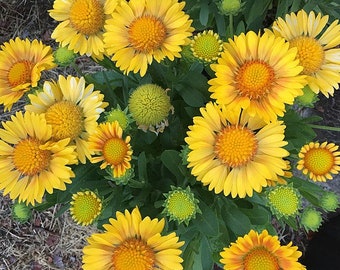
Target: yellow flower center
{"type": "Point", "coordinates": [115, 150]}
{"type": "Point", "coordinates": [260, 258]}
{"type": "Point", "coordinates": [20, 73]}
{"type": "Point", "coordinates": [254, 79]}
{"type": "Point", "coordinates": [180, 205]}
{"type": "Point", "coordinates": [87, 16]}
{"type": "Point", "coordinates": [66, 119]}
{"type": "Point", "coordinates": [146, 33]}
{"type": "Point", "coordinates": [133, 254]}
{"type": "Point", "coordinates": [86, 207]}
{"type": "Point", "coordinates": [29, 159]}
{"type": "Point", "coordinates": [319, 161]}
{"type": "Point", "coordinates": [235, 146]}
{"type": "Point", "coordinates": [310, 53]}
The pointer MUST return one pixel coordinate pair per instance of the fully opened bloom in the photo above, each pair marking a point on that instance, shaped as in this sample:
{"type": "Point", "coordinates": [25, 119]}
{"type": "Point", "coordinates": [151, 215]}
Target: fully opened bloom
{"type": "Point", "coordinates": [319, 161]}
{"type": "Point", "coordinates": [318, 47]}
{"type": "Point", "coordinates": [30, 163]}
{"type": "Point", "coordinates": [21, 64]}
{"type": "Point", "coordinates": [111, 149]}
{"type": "Point", "coordinates": [130, 242]}
{"type": "Point", "coordinates": [142, 30]}
{"type": "Point", "coordinates": [235, 153]}
{"type": "Point", "coordinates": [81, 24]}
{"type": "Point", "coordinates": [71, 108]}
{"type": "Point", "coordinates": [260, 251]}
{"type": "Point", "coordinates": [257, 73]}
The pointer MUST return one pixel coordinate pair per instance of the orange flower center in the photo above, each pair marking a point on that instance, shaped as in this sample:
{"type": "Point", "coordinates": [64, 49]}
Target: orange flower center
{"type": "Point", "coordinates": [254, 79]}
{"type": "Point", "coordinates": [133, 254]}
{"type": "Point", "coordinates": [114, 151]}
{"type": "Point", "coordinates": [235, 146]}
{"type": "Point", "coordinates": [319, 161]}
{"type": "Point", "coordinates": [20, 73]}
{"type": "Point", "coordinates": [66, 119]}
{"type": "Point", "coordinates": [87, 16]}
{"type": "Point", "coordinates": [29, 159]}
{"type": "Point", "coordinates": [260, 258]}
{"type": "Point", "coordinates": [310, 53]}
{"type": "Point", "coordinates": [146, 34]}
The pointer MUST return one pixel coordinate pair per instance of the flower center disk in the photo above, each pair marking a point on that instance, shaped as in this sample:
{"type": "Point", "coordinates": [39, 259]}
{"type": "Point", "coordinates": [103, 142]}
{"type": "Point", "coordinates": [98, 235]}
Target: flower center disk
{"type": "Point", "coordinates": [180, 206]}
{"type": "Point", "coordinates": [319, 161]}
{"type": "Point", "coordinates": [20, 73]}
{"type": "Point", "coordinates": [260, 258]}
{"type": "Point", "coordinates": [115, 150]}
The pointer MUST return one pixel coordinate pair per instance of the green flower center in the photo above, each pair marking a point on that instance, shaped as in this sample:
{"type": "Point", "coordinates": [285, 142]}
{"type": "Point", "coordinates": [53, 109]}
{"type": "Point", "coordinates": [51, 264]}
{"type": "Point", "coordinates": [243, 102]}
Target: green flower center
{"type": "Point", "coordinates": [180, 206]}
{"type": "Point", "coordinates": [119, 116]}
{"type": "Point", "coordinates": [311, 219]}
{"type": "Point", "coordinates": [86, 206]}
{"type": "Point", "coordinates": [206, 46]}
{"type": "Point", "coordinates": [284, 200]}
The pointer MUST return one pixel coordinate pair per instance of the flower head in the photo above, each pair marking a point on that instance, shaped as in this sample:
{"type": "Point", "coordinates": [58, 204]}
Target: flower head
{"type": "Point", "coordinates": [111, 148]}
{"type": "Point", "coordinates": [250, 74]}
{"type": "Point", "coordinates": [319, 161]}
{"type": "Point", "coordinates": [308, 99]}
{"type": "Point", "coordinates": [30, 162]}
{"type": "Point", "coordinates": [260, 251]}
{"type": "Point", "coordinates": [63, 56]}
{"type": "Point", "coordinates": [329, 201]}
{"type": "Point", "coordinates": [121, 116]}
{"type": "Point", "coordinates": [130, 242]}
{"type": "Point", "coordinates": [317, 47]}
{"type": "Point", "coordinates": [229, 148]}
{"type": "Point", "coordinates": [127, 177]}
{"type": "Point", "coordinates": [142, 30]}
{"type": "Point", "coordinates": [21, 212]}
{"type": "Point", "coordinates": [81, 24]}
{"type": "Point", "coordinates": [149, 105]}
{"type": "Point", "coordinates": [311, 219]}
{"type": "Point", "coordinates": [85, 207]}
{"type": "Point", "coordinates": [230, 7]}
{"type": "Point", "coordinates": [71, 108]}
{"type": "Point", "coordinates": [21, 64]}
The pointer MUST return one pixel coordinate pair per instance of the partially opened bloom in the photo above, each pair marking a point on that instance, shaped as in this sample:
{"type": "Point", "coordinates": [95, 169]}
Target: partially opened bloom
{"type": "Point", "coordinates": [142, 30]}
{"type": "Point", "coordinates": [130, 242]}
{"type": "Point", "coordinates": [81, 24]}
{"type": "Point", "coordinates": [260, 251]}
{"type": "Point", "coordinates": [30, 163]}
{"type": "Point", "coordinates": [259, 74]}
{"type": "Point", "coordinates": [317, 45]}
{"type": "Point", "coordinates": [319, 161]}
{"type": "Point", "coordinates": [71, 108]}
{"type": "Point", "coordinates": [235, 153]}
{"type": "Point", "coordinates": [110, 148]}
{"type": "Point", "coordinates": [21, 64]}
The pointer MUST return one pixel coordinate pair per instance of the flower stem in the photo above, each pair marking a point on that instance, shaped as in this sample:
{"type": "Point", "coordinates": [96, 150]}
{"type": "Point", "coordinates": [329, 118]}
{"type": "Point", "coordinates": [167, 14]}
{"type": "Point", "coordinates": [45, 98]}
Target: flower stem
{"type": "Point", "coordinates": [231, 25]}
{"type": "Point", "coordinates": [325, 127]}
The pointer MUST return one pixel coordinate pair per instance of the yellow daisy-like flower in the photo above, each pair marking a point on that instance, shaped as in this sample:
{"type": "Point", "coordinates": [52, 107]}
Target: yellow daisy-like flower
{"type": "Point", "coordinates": [317, 45]}
{"type": "Point", "coordinates": [85, 207]}
{"type": "Point", "coordinates": [21, 64]}
{"type": "Point", "coordinates": [319, 161]}
{"type": "Point", "coordinates": [142, 30]}
{"type": "Point", "coordinates": [30, 163]}
{"type": "Point", "coordinates": [257, 73]}
{"type": "Point", "coordinates": [131, 242]}
{"type": "Point", "coordinates": [71, 108]}
{"type": "Point", "coordinates": [81, 24]}
{"type": "Point", "coordinates": [260, 251]}
{"type": "Point", "coordinates": [228, 149]}
{"type": "Point", "coordinates": [113, 150]}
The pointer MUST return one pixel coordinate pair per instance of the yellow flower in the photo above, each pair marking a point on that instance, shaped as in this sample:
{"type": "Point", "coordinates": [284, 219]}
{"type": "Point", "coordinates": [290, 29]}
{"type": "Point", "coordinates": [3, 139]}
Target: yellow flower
{"type": "Point", "coordinates": [319, 161]}
{"type": "Point", "coordinates": [30, 163]}
{"type": "Point", "coordinates": [113, 150]}
{"type": "Point", "coordinates": [260, 251]}
{"type": "Point", "coordinates": [81, 24]}
{"type": "Point", "coordinates": [227, 150]}
{"type": "Point", "coordinates": [21, 64]}
{"type": "Point", "coordinates": [317, 45]}
{"type": "Point", "coordinates": [142, 30]}
{"type": "Point", "coordinates": [130, 242]}
{"type": "Point", "coordinates": [71, 108]}
{"type": "Point", "coordinates": [257, 73]}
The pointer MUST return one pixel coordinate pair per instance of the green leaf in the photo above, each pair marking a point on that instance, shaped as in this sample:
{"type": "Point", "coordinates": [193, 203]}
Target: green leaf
{"type": "Point", "coordinates": [204, 12]}
{"type": "Point", "coordinates": [236, 220]}
{"type": "Point", "coordinates": [207, 222]}
{"type": "Point", "coordinates": [258, 215]}
{"type": "Point", "coordinates": [172, 160]}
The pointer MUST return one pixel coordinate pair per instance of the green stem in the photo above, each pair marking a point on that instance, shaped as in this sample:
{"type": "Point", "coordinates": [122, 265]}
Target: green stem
{"type": "Point", "coordinates": [231, 25]}
{"type": "Point", "coordinates": [325, 127]}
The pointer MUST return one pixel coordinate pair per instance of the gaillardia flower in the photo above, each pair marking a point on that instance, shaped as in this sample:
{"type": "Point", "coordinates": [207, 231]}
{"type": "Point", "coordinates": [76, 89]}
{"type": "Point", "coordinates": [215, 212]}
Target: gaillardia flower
{"type": "Point", "coordinates": [30, 163]}
{"type": "Point", "coordinates": [260, 251]}
{"type": "Point", "coordinates": [319, 161]}
{"type": "Point", "coordinates": [121, 116]}
{"type": "Point", "coordinates": [142, 30]}
{"type": "Point", "coordinates": [71, 108]}
{"type": "Point", "coordinates": [317, 46]}
{"type": "Point", "coordinates": [21, 64]}
{"type": "Point", "coordinates": [228, 149]}
{"type": "Point", "coordinates": [329, 201]}
{"type": "Point", "coordinates": [257, 73]}
{"type": "Point", "coordinates": [86, 206]}
{"type": "Point", "coordinates": [111, 148]}
{"type": "Point", "coordinates": [130, 242]}
{"type": "Point", "coordinates": [21, 212]}
{"type": "Point", "coordinates": [63, 57]}
{"type": "Point", "coordinates": [311, 219]}
{"type": "Point", "coordinates": [81, 24]}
